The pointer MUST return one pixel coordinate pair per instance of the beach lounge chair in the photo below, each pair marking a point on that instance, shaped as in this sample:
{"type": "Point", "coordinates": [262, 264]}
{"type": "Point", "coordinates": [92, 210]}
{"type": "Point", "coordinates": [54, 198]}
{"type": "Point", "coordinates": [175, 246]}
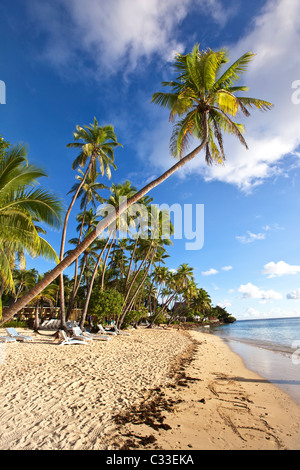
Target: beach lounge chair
{"type": "Point", "coordinates": [71, 324]}
{"type": "Point", "coordinates": [78, 334]}
{"type": "Point", "coordinates": [7, 339]}
{"type": "Point", "coordinates": [12, 332]}
{"type": "Point", "coordinates": [64, 339]}
{"type": "Point", "coordinates": [119, 332]}
{"type": "Point", "coordinates": [98, 336]}
{"type": "Point", "coordinates": [106, 332]}
{"type": "Point", "coordinates": [52, 324]}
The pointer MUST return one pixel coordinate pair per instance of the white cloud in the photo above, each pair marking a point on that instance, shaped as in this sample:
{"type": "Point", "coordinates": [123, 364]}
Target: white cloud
{"type": "Point", "coordinates": [251, 237]}
{"type": "Point", "coordinates": [114, 35]}
{"type": "Point", "coordinates": [280, 269]}
{"type": "Point", "coordinates": [210, 272]}
{"type": "Point", "coordinates": [227, 268]}
{"type": "Point", "coordinates": [251, 291]}
{"type": "Point", "coordinates": [213, 271]}
{"type": "Point", "coordinates": [224, 303]}
{"type": "Point", "coordinates": [107, 37]}
{"type": "Point", "coordinates": [252, 313]}
{"type": "Point", "coordinates": [273, 227]}
{"type": "Point", "coordinates": [274, 36]}
{"type": "Point", "coordinates": [295, 294]}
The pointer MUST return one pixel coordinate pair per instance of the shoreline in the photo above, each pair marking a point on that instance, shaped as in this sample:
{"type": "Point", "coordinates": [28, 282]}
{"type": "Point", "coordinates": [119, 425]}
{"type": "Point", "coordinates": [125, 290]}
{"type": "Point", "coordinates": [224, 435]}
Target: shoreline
{"type": "Point", "coordinates": [274, 365]}
{"type": "Point", "coordinates": [155, 389]}
{"type": "Point", "coordinates": [213, 406]}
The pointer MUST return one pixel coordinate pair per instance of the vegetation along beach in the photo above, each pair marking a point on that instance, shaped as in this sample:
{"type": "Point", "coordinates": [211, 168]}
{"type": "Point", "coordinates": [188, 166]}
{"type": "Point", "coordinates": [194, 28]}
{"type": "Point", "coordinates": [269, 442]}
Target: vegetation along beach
{"type": "Point", "coordinates": [148, 182]}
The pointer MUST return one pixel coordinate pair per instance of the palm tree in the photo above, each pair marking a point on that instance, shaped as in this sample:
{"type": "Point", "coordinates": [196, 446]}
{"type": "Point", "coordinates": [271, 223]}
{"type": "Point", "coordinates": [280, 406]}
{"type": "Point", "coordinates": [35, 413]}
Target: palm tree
{"type": "Point", "coordinates": [89, 194]}
{"type": "Point", "coordinates": [102, 244]}
{"type": "Point", "coordinates": [46, 296]}
{"type": "Point", "coordinates": [204, 101]}
{"type": "Point", "coordinates": [201, 302]}
{"type": "Point", "coordinates": [176, 284]}
{"type": "Point", "coordinates": [23, 280]}
{"type": "Point", "coordinates": [119, 191]}
{"type": "Point", "coordinates": [124, 190]}
{"type": "Point", "coordinates": [159, 232]}
{"type": "Point", "coordinates": [96, 144]}
{"type": "Point", "coordinates": [22, 204]}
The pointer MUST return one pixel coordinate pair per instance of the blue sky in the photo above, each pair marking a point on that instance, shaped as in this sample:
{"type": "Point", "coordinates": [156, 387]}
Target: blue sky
{"type": "Point", "coordinates": [66, 61]}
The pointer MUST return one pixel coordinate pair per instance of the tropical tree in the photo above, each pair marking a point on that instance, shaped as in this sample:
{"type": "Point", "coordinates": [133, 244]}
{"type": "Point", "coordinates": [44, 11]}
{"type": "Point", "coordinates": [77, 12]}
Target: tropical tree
{"type": "Point", "coordinates": [159, 233]}
{"type": "Point", "coordinates": [222, 315]}
{"type": "Point", "coordinates": [23, 280]}
{"type": "Point", "coordinates": [96, 145]}
{"type": "Point", "coordinates": [203, 104]}
{"type": "Point", "coordinates": [201, 303]}
{"type": "Point", "coordinates": [46, 296]}
{"type": "Point", "coordinates": [22, 205]}
{"type": "Point", "coordinates": [89, 194]}
{"type": "Point", "coordinates": [176, 284]}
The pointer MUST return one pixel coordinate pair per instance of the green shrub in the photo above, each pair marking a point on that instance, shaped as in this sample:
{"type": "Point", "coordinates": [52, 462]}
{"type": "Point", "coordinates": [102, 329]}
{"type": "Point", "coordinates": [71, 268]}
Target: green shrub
{"type": "Point", "coordinates": [15, 324]}
{"type": "Point", "coordinates": [106, 304]}
{"type": "Point", "coordinates": [134, 316]}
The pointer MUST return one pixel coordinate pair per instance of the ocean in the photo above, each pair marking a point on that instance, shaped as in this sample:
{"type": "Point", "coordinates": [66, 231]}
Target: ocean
{"type": "Point", "coordinates": [269, 347]}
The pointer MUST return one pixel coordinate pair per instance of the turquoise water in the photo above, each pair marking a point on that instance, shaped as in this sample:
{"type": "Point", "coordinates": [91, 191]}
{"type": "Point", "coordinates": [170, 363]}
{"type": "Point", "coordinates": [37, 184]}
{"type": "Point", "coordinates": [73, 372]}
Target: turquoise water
{"type": "Point", "coordinates": [278, 334]}
{"type": "Point", "coordinates": [271, 348]}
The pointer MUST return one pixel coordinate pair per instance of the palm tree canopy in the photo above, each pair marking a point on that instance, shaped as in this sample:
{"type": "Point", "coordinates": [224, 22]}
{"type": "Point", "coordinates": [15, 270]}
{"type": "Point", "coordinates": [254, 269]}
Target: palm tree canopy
{"type": "Point", "coordinates": [89, 190]}
{"type": "Point", "coordinates": [98, 143]}
{"type": "Point", "coordinates": [203, 99]}
{"type": "Point", "coordinates": [22, 204]}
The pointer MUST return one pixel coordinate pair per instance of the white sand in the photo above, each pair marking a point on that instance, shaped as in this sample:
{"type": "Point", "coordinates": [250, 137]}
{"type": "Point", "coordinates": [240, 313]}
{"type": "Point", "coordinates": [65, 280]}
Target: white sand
{"type": "Point", "coordinates": [64, 397]}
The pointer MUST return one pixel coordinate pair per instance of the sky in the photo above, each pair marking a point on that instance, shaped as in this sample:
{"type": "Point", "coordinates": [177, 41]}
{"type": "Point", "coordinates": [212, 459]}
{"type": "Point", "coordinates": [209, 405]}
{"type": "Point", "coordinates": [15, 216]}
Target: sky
{"type": "Point", "coordinates": [65, 61]}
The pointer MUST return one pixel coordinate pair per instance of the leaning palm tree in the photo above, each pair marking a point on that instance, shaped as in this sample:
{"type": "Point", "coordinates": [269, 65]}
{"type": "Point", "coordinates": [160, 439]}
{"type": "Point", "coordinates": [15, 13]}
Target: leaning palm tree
{"type": "Point", "coordinates": [203, 105]}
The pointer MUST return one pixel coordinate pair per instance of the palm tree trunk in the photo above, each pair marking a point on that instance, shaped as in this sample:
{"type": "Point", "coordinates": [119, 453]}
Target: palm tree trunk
{"type": "Point", "coordinates": [36, 318]}
{"type": "Point", "coordinates": [129, 306]}
{"type": "Point", "coordinates": [49, 277]}
{"type": "Point", "coordinates": [87, 300]}
{"type": "Point", "coordinates": [76, 285]}
{"type": "Point", "coordinates": [137, 273]}
{"type": "Point", "coordinates": [62, 249]}
{"type": "Point", "coordinates": [72, 300]}
{"type": "Point", "coordinates": [131, 259]}
{"type": "Point", "coordinates": [106, 258]}
{"type": "Point", "coordinates": [166, 304]}
{"type": "Point", "coordinates": [2, 287]}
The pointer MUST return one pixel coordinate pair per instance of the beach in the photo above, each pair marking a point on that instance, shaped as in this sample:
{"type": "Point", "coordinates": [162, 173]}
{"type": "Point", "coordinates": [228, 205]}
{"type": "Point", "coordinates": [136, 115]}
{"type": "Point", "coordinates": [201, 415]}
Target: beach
{"type": "Point", "coordinates": [164, 389]}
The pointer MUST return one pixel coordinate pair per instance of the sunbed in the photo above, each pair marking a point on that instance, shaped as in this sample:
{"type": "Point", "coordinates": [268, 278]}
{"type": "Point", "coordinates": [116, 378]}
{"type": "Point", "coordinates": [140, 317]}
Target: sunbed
{"type": "Point", "coordinates": [12, 332]}
{"type": "Point", "coordinates": [52, 324]}
{"type": "Point", "coordinates": [106, 332]}
{"type": "Point", "coordinates": [71, 324]}
{"type": "Point", "coordinates": [64, 339]}
{"type": "Point", "coordinates": [101, 337]}
{"type": "Point", "coordinates": [7, 339]}
{"type": "Point", "coordinates": [78, 334]}
{"type": "Point", "coordinates": [120, 332]}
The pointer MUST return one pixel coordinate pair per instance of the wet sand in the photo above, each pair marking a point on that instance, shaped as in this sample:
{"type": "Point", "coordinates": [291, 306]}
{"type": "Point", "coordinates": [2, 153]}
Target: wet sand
{"type": "Point", "coordinates": [281, 369]}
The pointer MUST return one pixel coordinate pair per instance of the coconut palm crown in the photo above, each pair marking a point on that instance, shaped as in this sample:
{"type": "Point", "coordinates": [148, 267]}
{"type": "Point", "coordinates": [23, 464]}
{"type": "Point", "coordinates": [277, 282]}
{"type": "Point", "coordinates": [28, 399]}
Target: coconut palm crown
{"type": "Point", "coordinates": [97, 144]}
{"type": "Point", "coordinates": [204, 101]}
